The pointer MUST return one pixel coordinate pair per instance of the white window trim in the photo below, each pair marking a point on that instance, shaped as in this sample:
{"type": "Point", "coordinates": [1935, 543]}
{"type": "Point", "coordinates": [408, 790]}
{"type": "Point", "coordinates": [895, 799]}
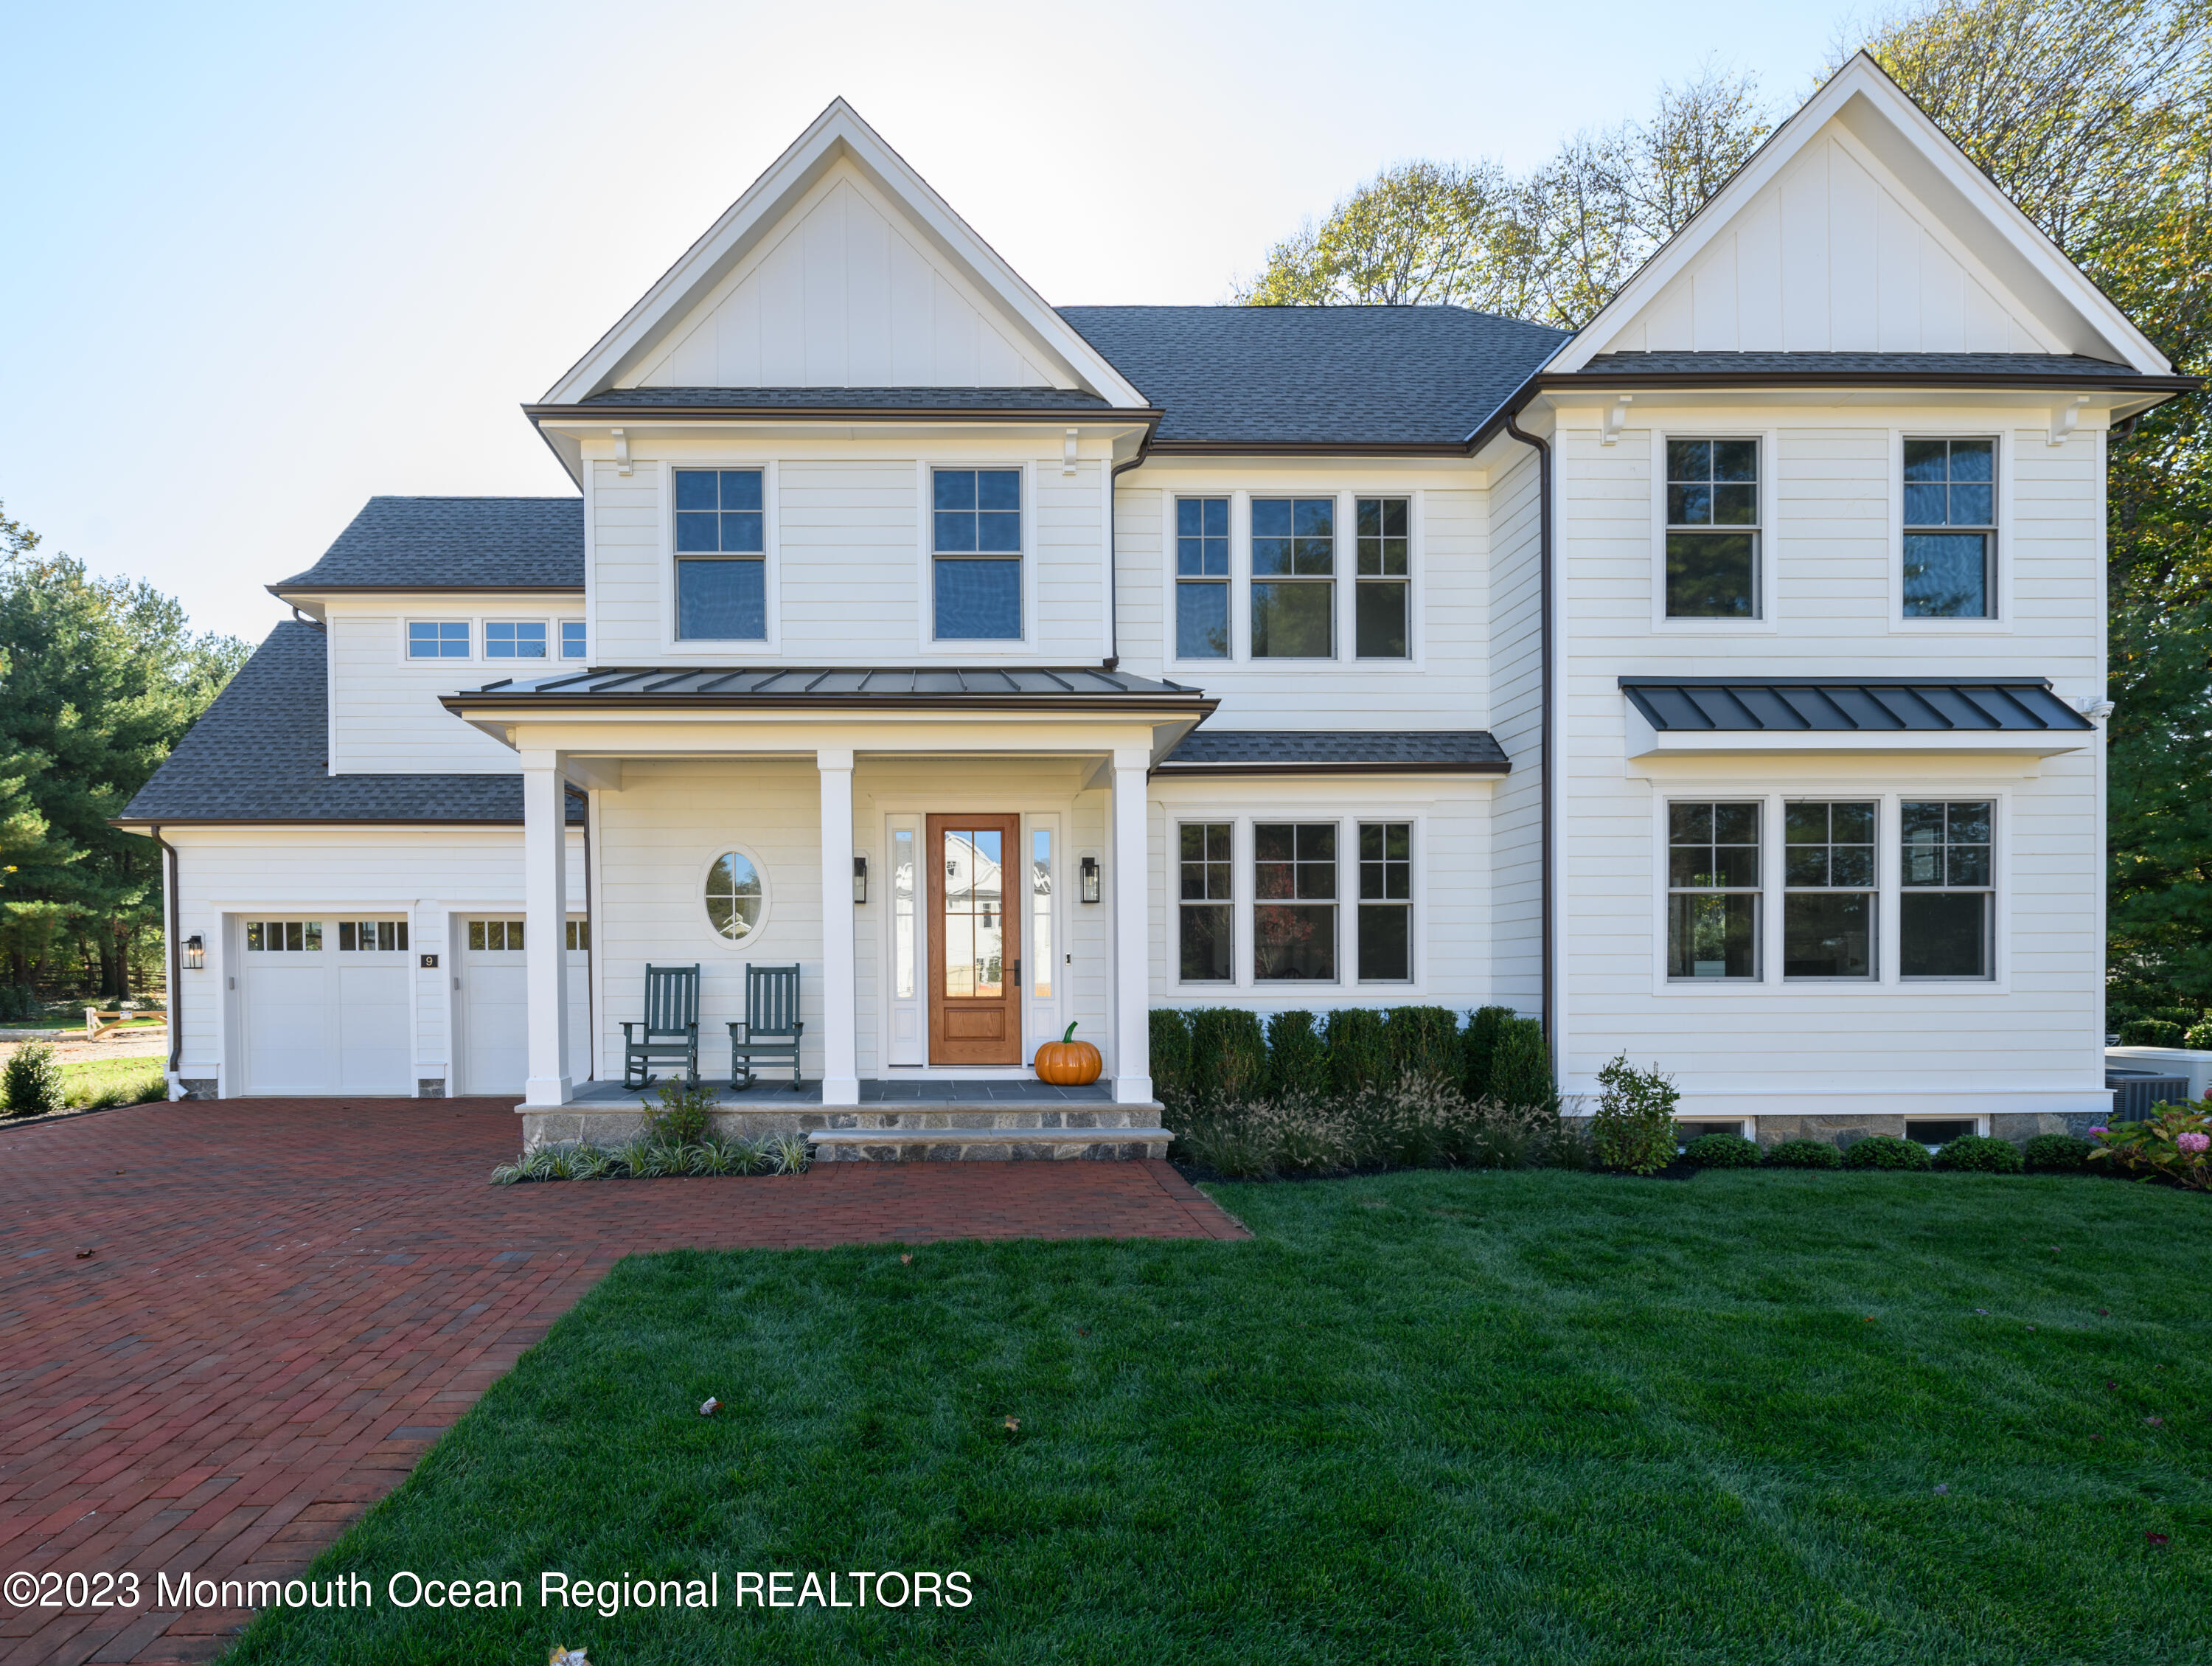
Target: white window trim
{"type": "Point", "coordinates": [1344, 580]}
{"type": "Point", "coordinates": [477, 655]}
{"type": "Point", "coordinates": [1888, 982]}
{"type": "Point", "coordinates": [559, 625]}
{"type": "Point", "coordinates": [1770, 541]}
{"type": "Point", "coordinates": [2000, 559]}
{"type": "Point", "coordinates": [1239, 909]}
{"type": "Point", "coordinates": [719, 648]}
{"type": "Point", "coordinates": [928, 639]}
{"type": "Point", "coordinates": [410, 620]}
{"type": "Point", "coordinates": [551, 656]}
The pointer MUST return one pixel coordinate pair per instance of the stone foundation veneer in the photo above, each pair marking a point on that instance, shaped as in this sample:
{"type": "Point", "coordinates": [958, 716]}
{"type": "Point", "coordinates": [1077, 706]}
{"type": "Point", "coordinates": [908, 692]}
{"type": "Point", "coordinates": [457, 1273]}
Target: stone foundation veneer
{"type": "Point", "coordinates": [1845, 1131]}
{"type": "Point", "coordinates": [429, 1087]}
{"type": "Point", "coordinates": [610, 1128]}
{"type": "Point", "coordinates": [199, 1087]}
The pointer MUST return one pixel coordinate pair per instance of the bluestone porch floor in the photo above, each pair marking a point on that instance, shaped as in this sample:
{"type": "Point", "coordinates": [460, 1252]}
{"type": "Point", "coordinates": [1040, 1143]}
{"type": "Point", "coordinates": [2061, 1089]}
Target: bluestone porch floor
{"type": "Point", "coordinates": [933, 1090]}
{"type": "Point", "coordinates": [227, 1328]}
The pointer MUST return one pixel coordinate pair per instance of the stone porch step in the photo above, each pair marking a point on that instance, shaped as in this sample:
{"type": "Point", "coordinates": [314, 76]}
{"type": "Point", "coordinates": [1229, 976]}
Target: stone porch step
{"type": "Point", "coordinates": [978, 1142]}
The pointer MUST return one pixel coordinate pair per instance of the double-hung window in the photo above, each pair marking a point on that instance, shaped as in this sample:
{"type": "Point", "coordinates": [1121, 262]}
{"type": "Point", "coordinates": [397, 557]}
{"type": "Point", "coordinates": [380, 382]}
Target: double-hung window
{"type": "Point", "coordinates": [1950, 529]}
{"type": "Point", "coordinates": [572, 639]}
{"type": "Point", "coordinates": [1380, 608]}
{"type": "Point", "coordinates": [1712, 529]}
{"type": "Point", "coordinates": [1201, 578]}
{"type": "Point", "coordinates": [514, 639]}
{"type": "Point", "coordinates": [1946, 904]}
{"type": "Point", "coordinates": [1386, 902]}
{"type": "Point", "coordinates": [1712, 890]}
{"type": "Point", "coordinates": [1294, 901]}
{"type": "Point", "coordinates": [1205, 929]}
{"type": "Point", "coordinates": [1828, 890]}
{"type": "Point", "coordinates": [1293, 578]}
{"type": "Point", "coordinates": [721, 556]}
{"type": "Point", "coordinates": [437, 639]}
{"type": "Point", "coordinates": [976, 518]}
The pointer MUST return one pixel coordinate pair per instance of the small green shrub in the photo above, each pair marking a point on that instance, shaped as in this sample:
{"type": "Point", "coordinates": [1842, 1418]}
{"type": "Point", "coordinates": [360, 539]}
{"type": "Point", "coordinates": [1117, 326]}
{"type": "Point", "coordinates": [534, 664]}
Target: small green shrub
{"type": "Point", "coordinates": [789, 1153]}
{"type": "Point", "coordinates": [1170, 1030]}
{"type": "Point", "coordinates": [2199, 1036]}
{"type": "Point", "coordinates": [2055, 1154]}
{"type": "Point", "coordinates": [2152, 1032]}
{"type": "Point", "coordinates": [1520, 1068]}
{"type": "Point", "coordinates": [1886, 1151]}
{"type": "Point", "coordinates": [1423, 1043]}
{"type": "Point", "coordinates": [1979, 1153]}
{"type": "Point", "coordinates": [1722, 1151]}
{"type": "Point", "coordinates": [1298, 1058]}
{"type": "Point", "coordinates": [31, 1084]}
{"type": "Point", "coordinates": [1228, 1053]}
{"type": "Point", "coordinates": [1478, 1044]}
{"type": "Point", "coordinates": [1358, 1054]}
{"type": "Point", "coordinates": [682, 1118]}
{"type": "Point", "coordinates": [1804, 1154]}
{"type": "Point", "coordinates": [1633, 1128]}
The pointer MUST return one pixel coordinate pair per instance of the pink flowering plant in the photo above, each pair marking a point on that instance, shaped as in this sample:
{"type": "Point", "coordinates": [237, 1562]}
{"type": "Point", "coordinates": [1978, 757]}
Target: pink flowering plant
{"type": "Point", "coordinates": [2174, 1141]}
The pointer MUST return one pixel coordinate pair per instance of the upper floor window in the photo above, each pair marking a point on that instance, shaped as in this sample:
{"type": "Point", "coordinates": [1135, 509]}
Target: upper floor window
{"type": "Point", "coordinates": [1950, 528]}
{"type": "Point", "coordinates": [572, 639]}
{"type": "Point", "coordinates": [976, 537]}
{"type": "Point", "coordinates": [514, 639]}
{"type": "Point", "coordinates": [1201, 578]}
{"type": "Point", "coordinates": [1293, 578]}
{"type": "Point", "coordinates": [437, 639]}
{"type": "Point", "coordinates": [722, 581]}
{"type": "Point", "coordinates": [1382, 586]}
{"type": "Point", "coordinates": [1712, 529]}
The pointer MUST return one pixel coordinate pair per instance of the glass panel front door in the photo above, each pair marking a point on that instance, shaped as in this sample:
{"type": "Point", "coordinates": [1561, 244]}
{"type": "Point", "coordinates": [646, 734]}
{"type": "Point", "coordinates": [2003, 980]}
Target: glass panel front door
{"type": "Point", "coordinates": [975, 968]}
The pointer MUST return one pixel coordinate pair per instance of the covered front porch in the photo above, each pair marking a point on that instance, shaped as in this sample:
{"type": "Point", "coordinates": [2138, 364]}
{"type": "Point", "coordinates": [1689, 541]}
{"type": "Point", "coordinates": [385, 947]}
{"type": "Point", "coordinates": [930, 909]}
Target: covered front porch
{"type": "Point", "coordinates": [957, 864]}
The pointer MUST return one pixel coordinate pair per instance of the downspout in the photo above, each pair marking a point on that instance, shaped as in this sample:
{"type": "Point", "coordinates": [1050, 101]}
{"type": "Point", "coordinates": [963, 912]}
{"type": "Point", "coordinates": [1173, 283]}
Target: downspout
{"type": "Point", "coordinates": [591, 982]}
{"type": "Point", "coordinates": [176, 952]}
{"type": "Point", "coordinates": [1544, 707]}
{"type": "Point", "coordinates": [1113, 550]}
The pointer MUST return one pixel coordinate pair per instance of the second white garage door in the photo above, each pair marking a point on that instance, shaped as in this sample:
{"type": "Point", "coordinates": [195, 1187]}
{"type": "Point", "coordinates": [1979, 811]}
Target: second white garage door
{"type": "Point", "coordinates": [494, 1014]}
{"type": "Point", "coordinates": [323, 1006]}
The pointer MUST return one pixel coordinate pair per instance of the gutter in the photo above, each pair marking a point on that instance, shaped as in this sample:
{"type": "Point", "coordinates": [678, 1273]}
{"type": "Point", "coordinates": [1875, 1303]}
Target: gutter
{"type": "Point", "coordinates": [2046, 380]}
{"type": "Point", "coordinates": [176, 951]}
{"type": "Point", "coordinates": [1549, 907]}
{"type": "Point", "coordinates": [1046, 416]}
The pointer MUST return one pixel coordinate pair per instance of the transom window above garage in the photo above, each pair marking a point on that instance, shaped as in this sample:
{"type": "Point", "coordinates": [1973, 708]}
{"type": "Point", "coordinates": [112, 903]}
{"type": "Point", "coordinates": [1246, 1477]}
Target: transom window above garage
{"type": "Point", "coordinates": [366, 936]}
{"type": "Point", "coordinates": [496, 936]}
{"type": "Point", "coordinates": [284, 936]}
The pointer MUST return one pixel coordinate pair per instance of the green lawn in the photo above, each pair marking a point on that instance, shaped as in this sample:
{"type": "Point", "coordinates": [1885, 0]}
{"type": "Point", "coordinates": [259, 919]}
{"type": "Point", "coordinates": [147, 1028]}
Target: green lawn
{"type": "Point", "coordinates": [1535, 1416]}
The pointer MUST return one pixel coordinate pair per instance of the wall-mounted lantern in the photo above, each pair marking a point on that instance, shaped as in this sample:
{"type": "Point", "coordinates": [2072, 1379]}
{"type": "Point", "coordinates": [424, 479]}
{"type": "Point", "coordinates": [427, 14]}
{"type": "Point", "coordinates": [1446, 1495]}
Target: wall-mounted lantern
{"type": "Point", "coordinates": [195, 953]}
{"type": "Point", "coordinates": [1090, 878]}
{"type": "Point", "coordinates": [859, 878]}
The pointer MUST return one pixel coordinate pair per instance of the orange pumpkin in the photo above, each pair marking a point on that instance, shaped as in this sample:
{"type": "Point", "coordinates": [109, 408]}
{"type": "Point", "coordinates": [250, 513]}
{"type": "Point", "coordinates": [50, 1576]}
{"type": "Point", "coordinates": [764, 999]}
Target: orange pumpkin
{"type": "Point", "coordinates": [1069, 1062]}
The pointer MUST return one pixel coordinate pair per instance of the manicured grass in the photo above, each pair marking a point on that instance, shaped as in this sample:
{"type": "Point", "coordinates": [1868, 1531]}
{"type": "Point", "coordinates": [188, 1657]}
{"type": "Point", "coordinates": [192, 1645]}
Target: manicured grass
{"type": "Point", "coordinates": [114, 1081]}
{"type": "Point", "coordinates": [1531, 1416]}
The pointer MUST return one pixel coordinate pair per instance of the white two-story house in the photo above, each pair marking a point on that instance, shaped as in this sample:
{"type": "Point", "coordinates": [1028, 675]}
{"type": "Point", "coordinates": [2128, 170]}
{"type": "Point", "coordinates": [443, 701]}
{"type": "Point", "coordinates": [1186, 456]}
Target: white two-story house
{"type": "Point", "coordinates": [1722, 683]}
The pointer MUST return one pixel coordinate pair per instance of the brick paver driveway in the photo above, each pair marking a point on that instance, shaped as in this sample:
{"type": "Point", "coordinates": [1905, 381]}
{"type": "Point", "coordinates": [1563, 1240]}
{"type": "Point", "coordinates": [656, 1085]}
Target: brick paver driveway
{"type": "Point", "coordinates": [226, 1329]}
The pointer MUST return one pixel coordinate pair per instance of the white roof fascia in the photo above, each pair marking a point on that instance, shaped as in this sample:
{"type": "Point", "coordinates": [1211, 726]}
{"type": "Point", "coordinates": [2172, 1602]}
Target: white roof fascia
{"type": "Point", "coordinates": [1924, 145]}
{"type": "Point", "coordinates": [837, 131]}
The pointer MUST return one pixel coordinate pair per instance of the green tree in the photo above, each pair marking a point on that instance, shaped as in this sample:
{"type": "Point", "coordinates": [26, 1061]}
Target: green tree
{"type": "Point", "coordinates": [99, 680]}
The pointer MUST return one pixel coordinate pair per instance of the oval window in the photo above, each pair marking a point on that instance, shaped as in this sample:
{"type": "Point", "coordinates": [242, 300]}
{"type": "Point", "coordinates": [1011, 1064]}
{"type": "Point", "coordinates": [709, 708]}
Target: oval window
{"type": "Point", "coordinates": [733, 896]}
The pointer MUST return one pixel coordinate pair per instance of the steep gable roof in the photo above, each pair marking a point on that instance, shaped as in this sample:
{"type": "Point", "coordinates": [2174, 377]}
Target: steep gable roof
{"type": "Point", "coordinates": [453, 543]}
{"type": "Point", "coordinates": [1859, 226]}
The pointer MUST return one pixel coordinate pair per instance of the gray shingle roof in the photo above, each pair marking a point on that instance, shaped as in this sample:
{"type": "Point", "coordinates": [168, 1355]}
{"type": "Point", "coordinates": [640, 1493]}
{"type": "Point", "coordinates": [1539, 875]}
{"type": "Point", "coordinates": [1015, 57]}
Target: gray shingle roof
{"type": "Point", "coordinates": [2062, 366]}
{"type": "Point", "coordinates": [1833, 703]}
{"type": "Point", "coordinates": [1256, 751]}
{"type": "Point", "coordinates": [260, 752]}
{"type": "Point", "coordinates": [1014, 687]}
{"type": "Point", "coordinates": [1352, 376]}
{"type": "Point", "coordinates": [914, 398]}
{"type": "Point", "coordinates": [449, 543]}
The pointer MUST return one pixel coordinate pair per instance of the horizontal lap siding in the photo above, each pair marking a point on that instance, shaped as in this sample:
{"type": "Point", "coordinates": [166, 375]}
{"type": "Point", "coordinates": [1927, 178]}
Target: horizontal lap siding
{"type": "Point", "coordinates": [388, 718]}
{"type": "Point", "coordinates": [1832, 539]}
{"type": "Point", "coordinates": [629, 565]}
{"type": "Point", "coordinates": [847, 570]}
{"type": "Point", "coordinates": [1514, 651]}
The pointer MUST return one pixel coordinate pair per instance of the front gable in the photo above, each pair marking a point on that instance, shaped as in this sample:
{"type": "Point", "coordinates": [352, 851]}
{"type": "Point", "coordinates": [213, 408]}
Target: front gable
{"type": "Point", "coordinates": [1859, 226]}
{"type": "Point", "coordinates": [840, 267]}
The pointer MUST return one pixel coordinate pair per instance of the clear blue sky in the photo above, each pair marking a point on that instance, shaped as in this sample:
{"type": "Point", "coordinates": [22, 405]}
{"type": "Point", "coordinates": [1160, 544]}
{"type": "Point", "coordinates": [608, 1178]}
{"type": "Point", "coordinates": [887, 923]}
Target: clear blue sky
{"type": "Point", "coordinates": [264, 261]}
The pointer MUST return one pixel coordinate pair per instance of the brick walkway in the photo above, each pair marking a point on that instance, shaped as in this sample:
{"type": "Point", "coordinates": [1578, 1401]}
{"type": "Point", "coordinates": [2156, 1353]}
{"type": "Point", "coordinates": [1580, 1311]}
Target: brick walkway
{"type": "Point", "coordinates": [285, 1303]}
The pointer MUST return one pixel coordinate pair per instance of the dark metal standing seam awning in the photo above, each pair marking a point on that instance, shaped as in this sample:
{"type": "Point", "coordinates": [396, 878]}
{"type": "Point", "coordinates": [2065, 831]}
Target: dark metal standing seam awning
{"type": "Point", "coordinates": [2021, 709]}
{"type": "Point", "coordinates": [1031, 688]}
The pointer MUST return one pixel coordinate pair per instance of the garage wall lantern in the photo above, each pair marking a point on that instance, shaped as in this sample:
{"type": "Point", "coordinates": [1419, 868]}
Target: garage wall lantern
{"type": "Point", "coordinates": [195, 953]}
{"type": "Point", "coordinates": [1090, 878]}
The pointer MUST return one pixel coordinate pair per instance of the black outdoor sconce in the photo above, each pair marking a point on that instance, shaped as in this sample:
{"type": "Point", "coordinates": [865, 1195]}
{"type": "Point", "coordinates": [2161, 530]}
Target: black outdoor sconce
{"type": "Point", "coordinates": [195, 953]}
{"type": "Point", "coordinates": [859, 878]}
{"type": "Point", "coordinates": [1090, 878]}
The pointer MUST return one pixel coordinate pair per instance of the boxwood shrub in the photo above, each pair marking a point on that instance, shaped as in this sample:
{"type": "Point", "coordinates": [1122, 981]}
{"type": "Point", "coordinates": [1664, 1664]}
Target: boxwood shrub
{"type": "Point", "coordinates": [1298, 1058]}
{"type": "Point", "coordinates": [1722, 1151]}
{"type": "Point", "coordinates": [1358, 1052]}
{"type": "Point", "coordinates": [1170, 1028]}
{"type": "Point", "coordinates": [1228, 1054]}
{"type": "Point", "coordinates": [1979, 1153]}
{"type": "Point", "coordinates": [1424, 1042]}
{"type": "Point", "coordinates": [1478, 1045]}
{"type": "Point", "coordinates": [2056, 1154]}
{"type": "Point", "coordinates": [1804, 1154]}
{"type": "Point", "coordinates": [1886, 1151]}
{"type": "Point", "coordinates": [1520, 1068]}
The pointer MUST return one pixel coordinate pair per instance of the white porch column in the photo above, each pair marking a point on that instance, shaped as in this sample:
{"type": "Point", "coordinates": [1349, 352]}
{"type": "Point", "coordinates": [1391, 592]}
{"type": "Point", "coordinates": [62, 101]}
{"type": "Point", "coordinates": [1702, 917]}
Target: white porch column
{"type": "Point", "coordinates": [545, 919]}
{"type": "Point", "coordinates": [841, 1069]}
{"type": "Point", "coordinates": [1133, 901]}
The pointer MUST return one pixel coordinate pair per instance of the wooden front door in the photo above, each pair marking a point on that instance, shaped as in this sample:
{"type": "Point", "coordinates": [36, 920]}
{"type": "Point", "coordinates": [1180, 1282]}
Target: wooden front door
{"type": "Point", "coordinates": [974, 940]}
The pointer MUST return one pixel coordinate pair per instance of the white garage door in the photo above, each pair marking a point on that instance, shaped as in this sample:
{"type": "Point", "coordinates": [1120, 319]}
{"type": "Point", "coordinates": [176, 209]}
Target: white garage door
{"type": "Point", "coordinates": [493, 1012]}
{"type": "Point", "coordinates": [323, 1006]}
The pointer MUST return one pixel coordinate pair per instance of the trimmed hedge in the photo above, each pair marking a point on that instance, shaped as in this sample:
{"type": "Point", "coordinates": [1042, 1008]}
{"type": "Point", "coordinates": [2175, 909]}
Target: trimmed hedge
{"type": "Point", "coordinates": [1297, 1057]}
{"type": "Point", "coordinates": [1228, 1053]}
{"type": "Point", "coordinates": [2152, 1032]}
{"type": "Point", "coordinates": [1979, 1153]}
{"type": "Point", "coordinates": [1478, 1045]}
{"type": "Point", "coordinates": [1170, 1027]}
{"type": "Point", "coordinates": [1886, 1151]}
{"type": "Point", "coordinates": [2199, 1036]}
{"type": "Point", "coordinates": [2056, 1154]}
{"type": "Point", "coordinates": [1424, 1042]}
{"type": "Point", "coordinates": [1804, 1154]}
{"type": "Point", "coordinates": [1358, 1052]}
{"type": "Point", "coordinates": [1722, 1151]}
{"type": "Point", "coordinates": [1520, 1068]}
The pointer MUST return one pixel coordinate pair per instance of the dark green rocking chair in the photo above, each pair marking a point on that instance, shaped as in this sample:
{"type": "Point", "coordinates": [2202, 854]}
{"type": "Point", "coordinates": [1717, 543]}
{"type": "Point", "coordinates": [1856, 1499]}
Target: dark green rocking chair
{"type": "Point", "coordinates": [669, 1033]}
{"type": "Point", "coordinates": [770, 1033]}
